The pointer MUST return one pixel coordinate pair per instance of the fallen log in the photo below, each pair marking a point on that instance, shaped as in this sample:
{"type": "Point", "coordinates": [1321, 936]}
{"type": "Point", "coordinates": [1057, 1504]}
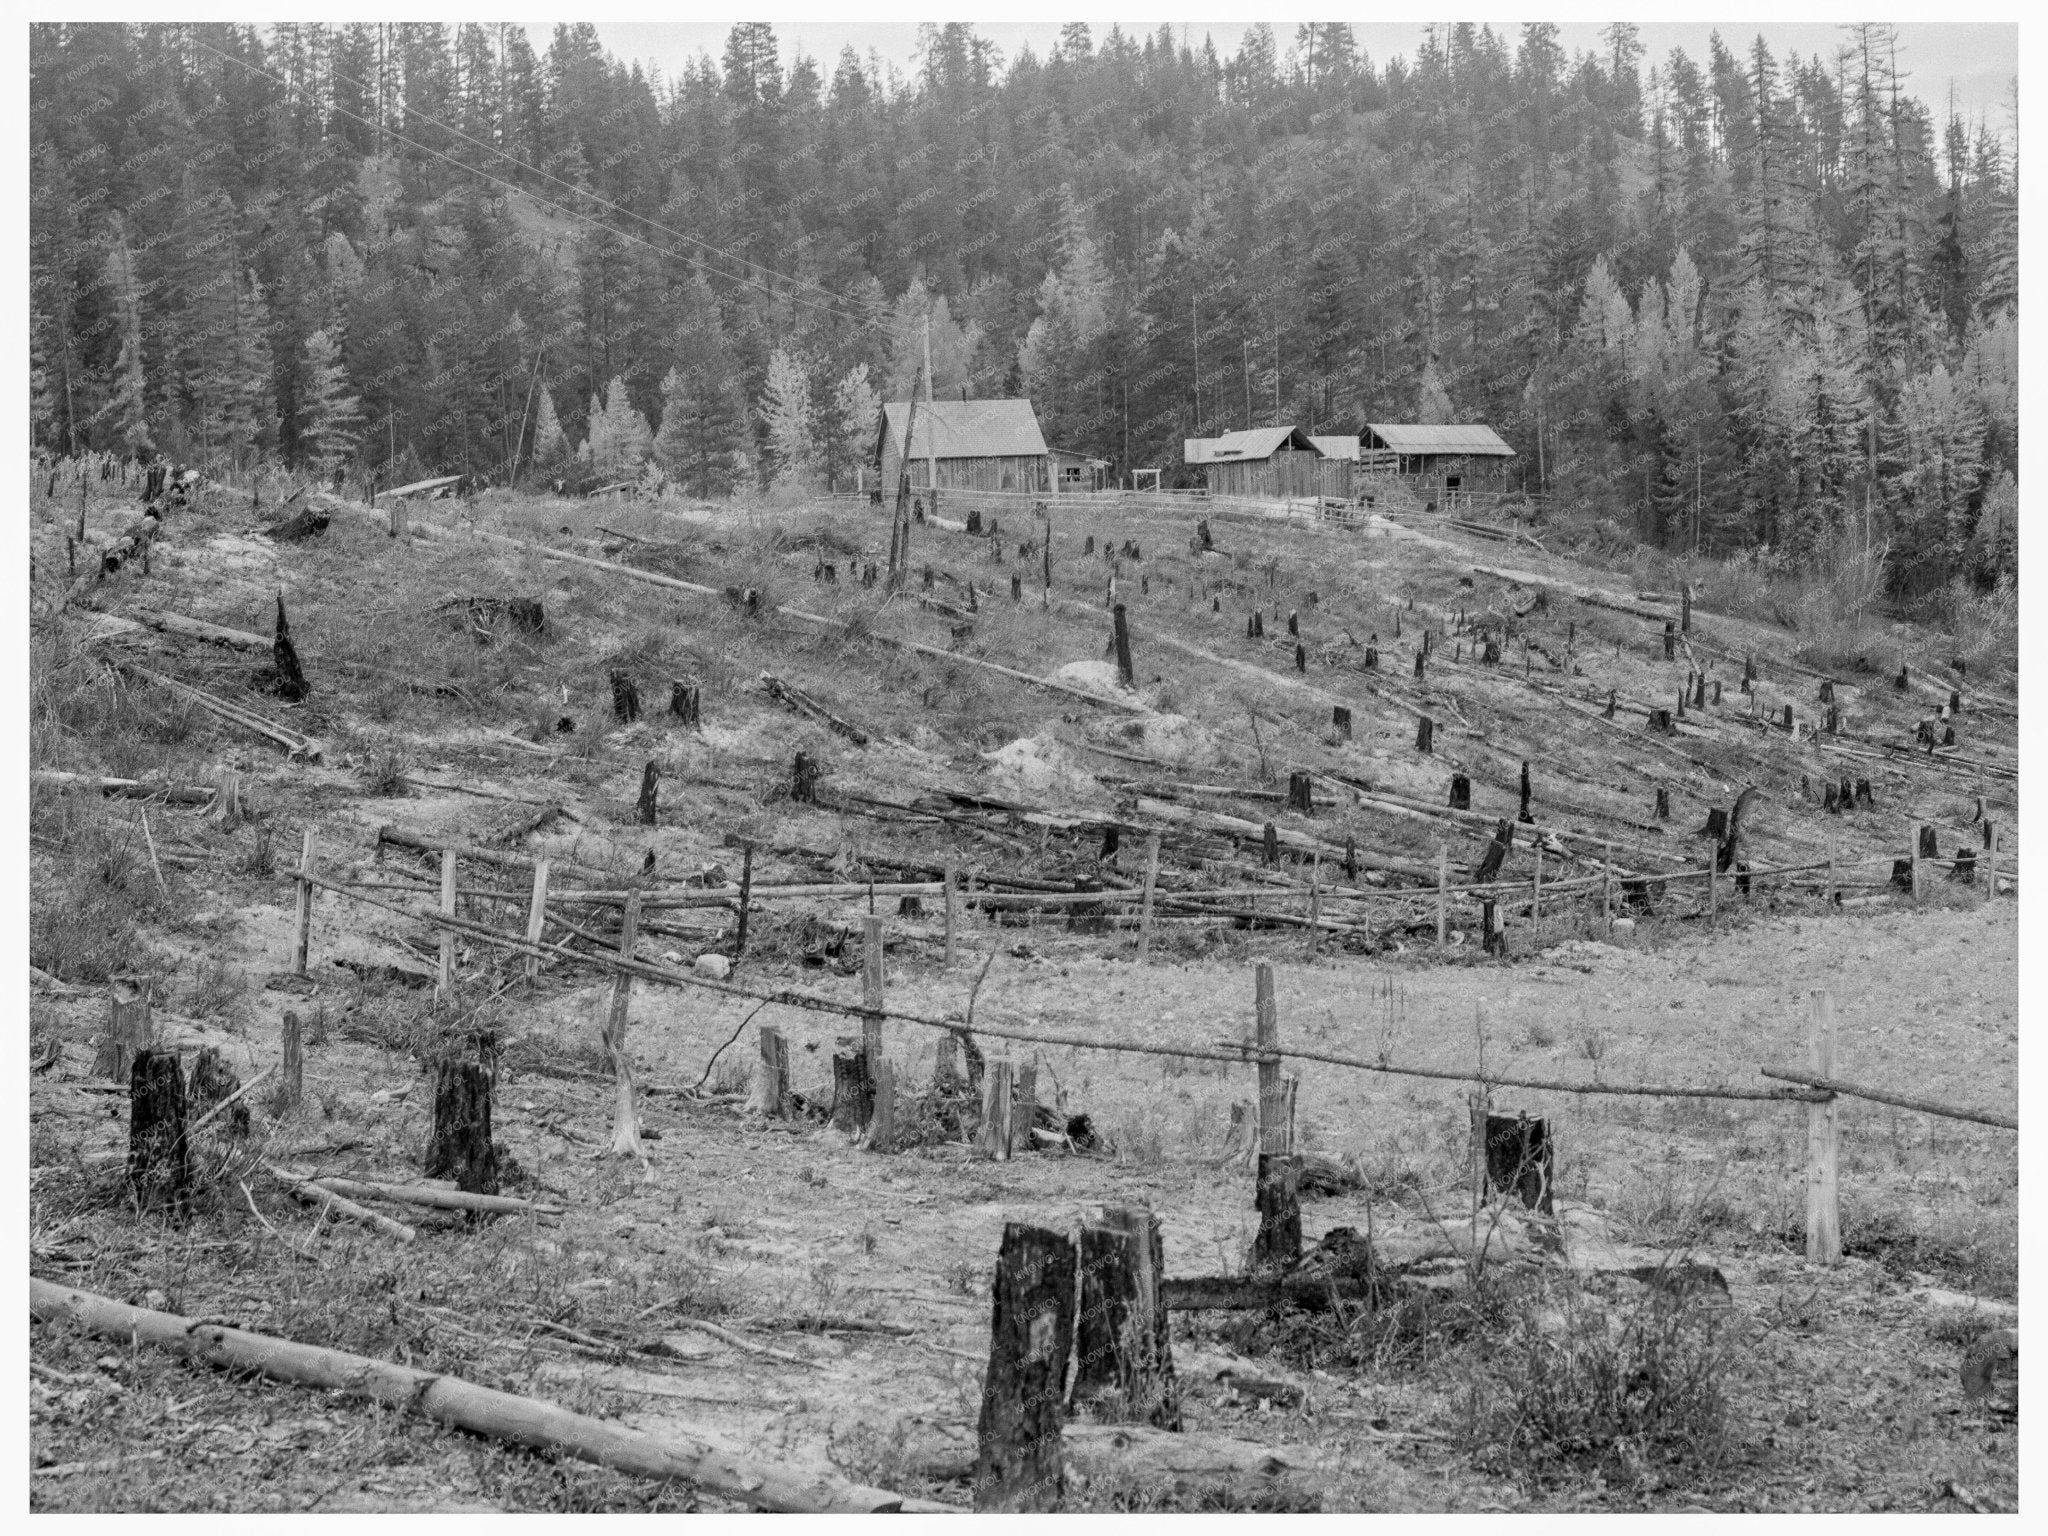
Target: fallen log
{"type": "Point", "coordinates": [128, 789]}
{"type": "Point", "coordinates": [295, 745]}
{"type": "Point", "coordinates": [463, 1405]}
{"type": "Point", "coordinates": [428, 1195]}
{"type": "Point", "coordinates": [1217, 821]}
{"type": "Point", "coordinates": [198, 629]}
{"type": "Point", "coordinates": [1885, 1096]}
{"type": "Point", "coordinates": [341, 1205]}
{"type": "Point", "coordinates": [1230, 1293]}
{"type": "Point", "coordinates": [135, 541]}
{"type": "Point", "coordinates": [416, 487]}
{"type": "Point", "coordinates": [804, 704]}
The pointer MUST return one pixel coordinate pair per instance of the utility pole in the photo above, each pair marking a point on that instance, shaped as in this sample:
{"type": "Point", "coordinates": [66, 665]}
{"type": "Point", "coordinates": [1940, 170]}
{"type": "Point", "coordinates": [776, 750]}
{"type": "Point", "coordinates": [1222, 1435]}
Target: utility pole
{"type": "Point", "coordinates": [1194, 313]}
{"type": "Point", "coordinates": [931, 468]}
{"type": "Point", "coordinates": [1247, 382]}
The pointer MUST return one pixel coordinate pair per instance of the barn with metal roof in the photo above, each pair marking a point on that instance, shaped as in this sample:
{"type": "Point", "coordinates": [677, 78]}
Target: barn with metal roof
{"type": "Point", "coordinates": [1444, 463]}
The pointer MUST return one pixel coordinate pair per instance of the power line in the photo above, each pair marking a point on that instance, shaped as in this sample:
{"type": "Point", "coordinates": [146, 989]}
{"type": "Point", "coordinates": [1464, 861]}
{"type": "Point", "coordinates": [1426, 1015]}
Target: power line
{"type": "Point", "coordinates": [859, 319]}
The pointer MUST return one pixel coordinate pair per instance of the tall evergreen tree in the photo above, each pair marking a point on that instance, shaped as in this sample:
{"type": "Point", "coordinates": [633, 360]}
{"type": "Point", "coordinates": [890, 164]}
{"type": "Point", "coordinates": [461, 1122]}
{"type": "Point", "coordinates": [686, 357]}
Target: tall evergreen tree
{"type": "Point", "coordinates": [330, 415]}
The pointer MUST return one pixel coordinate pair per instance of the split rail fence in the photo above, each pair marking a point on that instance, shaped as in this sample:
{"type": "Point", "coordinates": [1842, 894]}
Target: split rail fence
{"type": "Point", "coordinates": [871, 1078]}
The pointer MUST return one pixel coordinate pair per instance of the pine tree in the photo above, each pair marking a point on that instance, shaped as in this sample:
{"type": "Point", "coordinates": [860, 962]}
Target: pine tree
{"type": "Point", "coordinates": [330, 415]}
{"type": "Point", "coordinates": [703, 415]}
{"type": "Point", "coordinates": [620, 440]}
{"type": "Point", "coordinates": [849, 425]}
{"type": "Point", "coordinates": [550, 443]}
{"type": "Point", "coordinates": [793, 451]}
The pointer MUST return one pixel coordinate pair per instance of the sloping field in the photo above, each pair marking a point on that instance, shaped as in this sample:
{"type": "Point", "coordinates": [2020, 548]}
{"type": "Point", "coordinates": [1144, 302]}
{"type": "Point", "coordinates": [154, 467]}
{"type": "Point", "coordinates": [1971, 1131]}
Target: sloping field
{"type": "Point", "coordinates": [767, 1284]}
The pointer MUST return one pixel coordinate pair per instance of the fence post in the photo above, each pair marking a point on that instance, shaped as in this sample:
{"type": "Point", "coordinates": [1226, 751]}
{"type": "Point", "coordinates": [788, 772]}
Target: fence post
{"type": "Point", "coordinates": [871, 995]}
{"type": "Point", "coordinates": [1145, 906]}
{"type": "Point", "coordinates": [1279, 1205]}
{"type": "Point", "coordinates": [994, 1138]}
{"type": "Point", "coordinates": [445, 980]}
{"type": "Point", "coordinates": [1536, 887]}
{"type": "Point", "coordinates": [537, 914]}
{"type": "Point", "coordinates": [1713, 886]}
{"type": "Point", "coordinates": [1607, 887]}
{"type": "Point", "coordinates": [1823, 1214]}
{"type": "Point", "coordinates": [1918, 829]}
{"type": "Point", "coordinates": [293, 1087]}
{"type": "Point", "coordinates": [771, 1076]}
{"type": "Point", "coordinates": [1828, 893]}
{"type": "Point", "coordinates": [302, 917]}
{"type": "Point", "coordinates": [1315, 903]}
{"type": "Point", "coordinates": [1443, 872]}
{"type": "Point", "coordinates": [625, 1115]}
{"type": "Point", "coordinates": [1991, 887]}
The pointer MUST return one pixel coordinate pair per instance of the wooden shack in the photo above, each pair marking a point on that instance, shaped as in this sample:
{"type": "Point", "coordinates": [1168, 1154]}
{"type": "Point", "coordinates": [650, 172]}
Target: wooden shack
{"type": "Point", "coordinates": [1275, 463]}
{"type": "Point", "coordinates": [1443, 464]}
{"type": "Point", "coordinates": [971, 445]}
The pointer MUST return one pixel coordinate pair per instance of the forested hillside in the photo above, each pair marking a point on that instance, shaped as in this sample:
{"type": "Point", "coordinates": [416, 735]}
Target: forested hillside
{"type": "Point", "coordinates": [1746, 301]}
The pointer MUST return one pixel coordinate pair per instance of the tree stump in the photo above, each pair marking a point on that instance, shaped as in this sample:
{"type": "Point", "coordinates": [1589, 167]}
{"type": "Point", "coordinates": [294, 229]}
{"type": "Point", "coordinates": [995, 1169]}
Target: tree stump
{"type": "Point", "coordinates": [1300, 658]}
{"type": "Point", "coordinates": [1524, 816]}
{"type": "Point", "coordinates": [1863, 796]}
{"type": "Point", "coordinates": [1123, 1371]}
{"type": "Point", "coordinates": [1122, 637]}
{"type": "Point", "coordinates": [685, 702]}
{"type": "Point", "coordinates": [803, 781]}
{"type": "Point", "coordinates": [1663, 805]}
{"type": "Point", "coordinates": [1788, 720]}
{"type": "Point", "coordinates": [625, 698]}
{"type": "Point", "coordinates": [1372, 658]}
{"type": "Point", "coordinates": [1613, 699]}
{"type": "Point", "coordinates": [1016, 588]}
{"type": "Point", "coordinates": [1699, 692]}
{"type": "Point", "coordinates": [1496, 852]}
{"type": "Point", "coordinates": [1520, 1159]}
{"type": "Point", "coordinates": [1026, 1108]}
{"type": "Point", "coordinates": [974, 520]}
{"type": "Point", "coordinates": [1670, 639]}
{"type": "Point", "coordinates": [1831, 800]}
{"type": "Point", "coordinates": [1490, 655]}
{"type": "Point", "coordinates": [1461, 792]}
{"type": "Point", "coordinates": [1660, 721]}
{"type": "Point", "coordinates": [1827, 691]}
{"type": "Point", "coordinates": [1340, 719]}
{"type": "Point", "coordinates": [1301, 792]}
{"type": "Point", "coordinates": [1902, 680]}
{"type": "Point", "coordinates": [1965, 867]}
{"type": "Point", "coordinates": [1019, 1465]}
{"type": "Point", "coordinates": [130, 1030]}
{"type": "Point", "coordinates": [1930, 847]}
{"type": "Point", "coordinates": [159, 1158]}
{"type": "Point", "coordinates": [644, 810]}
{"type": "Point", "coordinates": [1087, 545]}
{"type": "Point", "coordinates": [994, 1138]}
{"type": "Point", "coordinates": [1494, 937]}
{"type": "Point", "coordinates": [853, 1094]}
{"type": "Point", "coordinates": [462, 1148]}
{"type": "Point", "coordinates": [212, 1082]}
{"type": "Point", "coordinates": [881, 1132]}
{"type": "Point", "coordinates": [291, 679]}
{"type": "Point", "coordinates": [1271, 846]}
{"type": "Point", "coordinates": [770, 1090]}
{"type": "Point", "coordinates": [1420, 661]}
{"type": "Point", "coordinates": [946, 1066]}
{"type": "Point", "coordinates": [1350, 858]}
{"type": "Point", "coordinates": [1425, 730]}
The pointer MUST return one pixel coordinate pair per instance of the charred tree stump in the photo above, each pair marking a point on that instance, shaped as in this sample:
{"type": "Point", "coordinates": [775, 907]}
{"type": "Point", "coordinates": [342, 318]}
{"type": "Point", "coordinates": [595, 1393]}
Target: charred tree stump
{"type": "Point", "coordinates": [213, 1082]}
{"type": "Point", "coordinates": [1123, 1372]}
{"type": "Point", "coordinates": [1902, 681]}
{"type": "Point", "coordinates": [1955, 702]}
{"type": "Point", "coordinates": [1661, 722]}
{"type": "Point", "coordinates": [1271, 846]}
{"type": "Point", "coordinates": [1016, 588]}
{"type": "Point", "coordinates": [1521, 1160]}
{"type": "Point", "coordinates": [1964, 869]}
{"type": "Point", "coordinates": [1461, 792]}
{"type": "Point", "coordinates": [644, 810]}
{"type": "Point", "coordinates": [803, 781]}
{"type": "Point", "coordinates": [1613, 699]}
{"type": "Point", "coordinates": [1496, 852]}
{"type": "Point", "coordinates": [1351, 858]}
{"type": "Point", "coordinates": [1699, 691]}
{"type": "Point", "coordinates": [1340, 720]}
{"type": "Point", "coordinates": [1831, 800]}
{"type": "Point", "coordinates": [1088, 545]}
{"type": "Point", "coordinates": [159, 1157]}
{"type": "Point", "coordinates": [1124, 673]}
{"type": "Point", "coordinates": [625, 698]}
{"type": "Point", "coordinates": [686, 702]}
{"type": "Point", "coordinates": [1827, 691]}
{"type": "Point", "coordinates": [1670, 640]}
{"type": "Point", "coordinates": [1372, 658]}
{"type": "Point", "coordinates": [1717, 692]}
{"type": "Point", "coordinates": [1490, 655]}
{"type": "Point", "coordinates": [1525, 817]}
{"type": "Point", "coordinates": [1717, 825]}
{"type": "Point", "coordinates": [291, 678]}
{"type": "Point", "coordinates": [462, 1148]}
{"type": "Point", "coordinates": [1845, 798]}
{"type": "Point", "coordinates": [974, 520]}
{"type": "Point", "coordinates": [1420, 661]}
{"type": "Point", "coordinates": [1293, 623]}
{"type": "Point", "coordinates": [1300, 658]}
{"type": "Point", "coordinates": [853, 1093]}
{"type": "Point", "coordinates": [1930, 847]}
{"type": "Point", "coordinates": [1301, 792]}
{"type": "Point", "coordinates": [1019, 1465]}
{"type": "Point", "coordinates": [1834, 720]}
{"type": "Point", "coordinates": [1787, 725]}
{"type": "Point", "coordinates": [1685, 607]}
{"type": "Point", "coordinates": [1278, 1197]}
{"type": "Point", "coordinates": [1425, 734]}
{"type": "Point", "coordinates": [1948, 736]}
{"type": "Point", "coordinates": [1663, 805]}
{"type": "Point", "coordinates": [1863, 796]}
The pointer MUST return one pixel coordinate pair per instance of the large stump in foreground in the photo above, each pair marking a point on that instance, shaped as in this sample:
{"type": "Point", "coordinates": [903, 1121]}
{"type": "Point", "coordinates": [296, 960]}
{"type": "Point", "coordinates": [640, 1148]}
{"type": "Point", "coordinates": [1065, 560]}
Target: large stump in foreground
{"type": "Point", "coordinates": [1018, 1465]}
{"type": "Point", "coordinates": [159, 1157]}
{"type": "Point", "coordinates": [1123, 1369]}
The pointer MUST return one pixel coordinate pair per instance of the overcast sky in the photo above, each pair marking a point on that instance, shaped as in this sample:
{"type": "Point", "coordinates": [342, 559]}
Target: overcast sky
{"type": "Point", "coordinates": [1978, 59]}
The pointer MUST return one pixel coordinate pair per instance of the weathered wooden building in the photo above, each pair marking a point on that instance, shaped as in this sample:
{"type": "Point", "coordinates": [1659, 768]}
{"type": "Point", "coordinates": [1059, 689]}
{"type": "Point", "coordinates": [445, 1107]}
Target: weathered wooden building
{"type": "Point", "coordinates": [1446, 463]}
{"type": "Point", "coordinates": [1270, 462]}
{"type": "Point", "coordinates": [971, 445]}
{"type": "Point", "coordinates": [1078, 472]}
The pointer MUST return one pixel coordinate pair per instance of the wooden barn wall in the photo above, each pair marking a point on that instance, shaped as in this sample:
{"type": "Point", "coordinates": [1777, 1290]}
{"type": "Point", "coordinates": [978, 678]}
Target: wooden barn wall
{"type": "Point", "coordinates": [1289, 473]}
{"type": "Point", "coordinates": [1023, 472]}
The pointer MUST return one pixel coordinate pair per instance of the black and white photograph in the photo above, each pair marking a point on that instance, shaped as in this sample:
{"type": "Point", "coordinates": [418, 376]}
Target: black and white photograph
{"type": "Point", "coordinates": [868, 765]}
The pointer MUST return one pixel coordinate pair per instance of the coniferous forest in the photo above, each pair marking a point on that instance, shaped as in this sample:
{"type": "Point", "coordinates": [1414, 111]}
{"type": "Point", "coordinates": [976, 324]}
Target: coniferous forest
{"type": "Point", "coordinates": [1742, 303]}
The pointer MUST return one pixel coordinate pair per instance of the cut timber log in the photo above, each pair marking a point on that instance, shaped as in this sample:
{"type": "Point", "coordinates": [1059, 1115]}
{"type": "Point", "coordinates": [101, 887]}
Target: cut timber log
{"type": "Point", "coordinates": [294, 744]}
{"type": "Point", "coordinates": [463, 1405]}
{"type": "Point", "coordinates": [430, 1195]}
{"type": "Point", "coordinates": [313, 1193]}
{"type": "Point", "coordinates": [197, 629]}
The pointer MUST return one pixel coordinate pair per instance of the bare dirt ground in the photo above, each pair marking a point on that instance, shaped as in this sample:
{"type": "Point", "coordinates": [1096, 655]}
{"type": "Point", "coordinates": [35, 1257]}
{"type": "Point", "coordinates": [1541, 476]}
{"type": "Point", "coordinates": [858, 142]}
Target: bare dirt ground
{"type": "Point", "coordinates": [1838, 1386]}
